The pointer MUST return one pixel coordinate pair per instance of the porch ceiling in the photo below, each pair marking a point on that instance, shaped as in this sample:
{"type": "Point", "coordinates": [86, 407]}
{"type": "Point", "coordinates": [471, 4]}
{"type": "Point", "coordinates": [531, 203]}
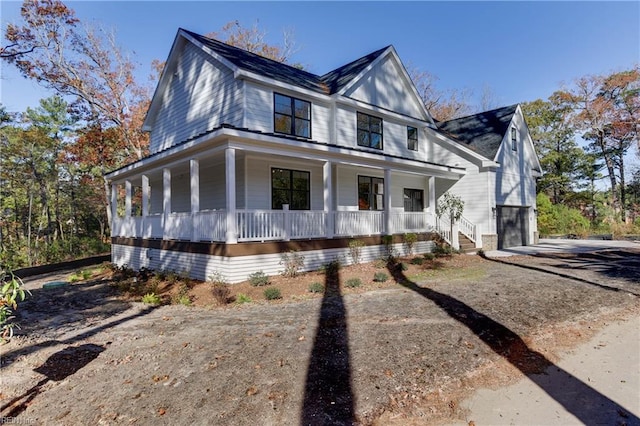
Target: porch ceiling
{"type": "Point", "coordinates": [212, 145]}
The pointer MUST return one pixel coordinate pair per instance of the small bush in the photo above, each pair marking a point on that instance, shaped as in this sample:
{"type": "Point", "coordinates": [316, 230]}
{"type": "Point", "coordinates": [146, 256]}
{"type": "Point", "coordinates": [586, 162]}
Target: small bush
{"type": "Point", "coordinates": [242, 298]}
{"type": "Point", "coordinates": [409, 240]}
{"type": "Point", "coordinates": [258, 279]}
{"type": "Point", "coordinates": [184, 300]}
{"type": "Point", "coordinates": [417, 261]}
{"type": "Point", "coordinates": [380, 277]}
{"type": "Point", "coordinates": [380, 263]}
{"type": "Point", "coordinates": [182, 297]}
{"type": "Point", "coordinates": [316, 287]}
{"type": "Point", "coordinates": [151, 299]}
{"type": "Point", "coordinates": [272, 293]}
{"type": "Point", "coordinates": [221, 293]}
{"type": "Point", "coordinates": [403, 266]}
{"type": "Point", "coordinates": [355, 250]}
{"type": "Point", "coordinates": [293, 262]}
{"type": "Point", "coordinates": [429, 256]}
{"type": "Point", "coordinates": [217, 278]}
{"type": "Point", "coordinates": [331, 268]}
{"type": "Point", "coordinates": [353, 282]}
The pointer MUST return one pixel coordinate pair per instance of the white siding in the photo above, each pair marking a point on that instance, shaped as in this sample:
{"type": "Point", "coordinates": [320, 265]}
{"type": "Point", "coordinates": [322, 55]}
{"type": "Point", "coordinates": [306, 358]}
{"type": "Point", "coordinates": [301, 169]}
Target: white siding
{"type": "Point", "coordinates": [237, 269]}
{"type": "Point", "coordinates": [383, 86]}
{"type": "Point", "coordinates": [259, 111]}
{"type": "Point", "coordinates": [259, 181]}
{"type": "Point", "coordinates": [515, 183]}
{"type": "Point", "coordinates": [212, 186]}
{"type": "Point", "coordinates": [155, 199]}
{"type": "Point", "coordinates": [180, 189]}
{"type": "Point", "coordinates": [201, 95]}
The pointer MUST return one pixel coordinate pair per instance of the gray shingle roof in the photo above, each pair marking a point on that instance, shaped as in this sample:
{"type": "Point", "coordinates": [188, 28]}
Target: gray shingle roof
{"type": "Point", "coordinates": [481, 132]}
{"type": "Point", "coordinates": [329, 83]}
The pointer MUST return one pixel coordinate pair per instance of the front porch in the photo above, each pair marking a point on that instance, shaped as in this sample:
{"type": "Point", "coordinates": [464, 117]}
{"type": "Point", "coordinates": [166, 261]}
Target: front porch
{"type": "Point", "coordinates": [273, 225]}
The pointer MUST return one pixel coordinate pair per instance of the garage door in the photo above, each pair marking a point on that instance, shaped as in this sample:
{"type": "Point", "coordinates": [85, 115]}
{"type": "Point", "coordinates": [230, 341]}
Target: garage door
{"type": "Point", "coordinates": [512, 225]}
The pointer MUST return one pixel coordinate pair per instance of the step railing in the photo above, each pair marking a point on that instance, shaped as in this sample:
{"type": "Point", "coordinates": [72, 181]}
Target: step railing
{"type": "Point", "coordinates": [468, 229]}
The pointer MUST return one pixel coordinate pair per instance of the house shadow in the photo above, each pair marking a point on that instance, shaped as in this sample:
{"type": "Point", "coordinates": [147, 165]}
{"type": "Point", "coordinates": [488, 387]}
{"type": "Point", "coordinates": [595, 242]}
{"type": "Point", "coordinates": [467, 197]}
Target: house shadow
{"type": "Point", "coordinates": [56, 368]}
{"type": "Point", "coordinates": [577, 397]}
{"type": "Point", "coordinates": [328, 396]}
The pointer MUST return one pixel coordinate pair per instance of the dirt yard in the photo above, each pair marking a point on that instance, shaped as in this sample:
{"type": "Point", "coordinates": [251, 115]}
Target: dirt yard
{"type": "Point", "coordinates": [405, 351]}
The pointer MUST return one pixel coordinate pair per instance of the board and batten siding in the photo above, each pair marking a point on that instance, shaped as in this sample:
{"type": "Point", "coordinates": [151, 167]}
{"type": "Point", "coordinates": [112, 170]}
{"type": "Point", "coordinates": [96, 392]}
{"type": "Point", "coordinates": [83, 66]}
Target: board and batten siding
{"type": "Point", "coordinates": [201, 95]}
{"type": "Point", "coordinates": [384, 87]}
{"type": "Point", "coordinates": [259, 111]}
{"type": "Point", "coordinates": [515, 182]}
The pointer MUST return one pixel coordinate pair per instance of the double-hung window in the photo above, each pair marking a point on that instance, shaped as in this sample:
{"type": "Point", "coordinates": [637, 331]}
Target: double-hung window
{"type": "Point", "coordinates": [292, 187]}
{"type": "Point", "coordinates": [370, 193]}
{"type": "Point", "coordinates": [412, 138]}
{"type": "Point", "coordinates": [369, 131]}
{"type": "Point", "coordinates": [291, 116]}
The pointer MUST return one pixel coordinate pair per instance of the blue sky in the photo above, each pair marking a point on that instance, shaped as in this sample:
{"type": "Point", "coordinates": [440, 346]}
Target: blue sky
{"type": "Point", "coordinates": [521, 50]}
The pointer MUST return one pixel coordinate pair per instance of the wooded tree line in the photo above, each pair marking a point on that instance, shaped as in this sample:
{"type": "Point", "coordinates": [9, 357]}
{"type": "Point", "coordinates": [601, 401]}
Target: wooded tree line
{"type": "Point", "coordinates": [55, 202]}
{"type": "Point", "coordinates": [604, 112]}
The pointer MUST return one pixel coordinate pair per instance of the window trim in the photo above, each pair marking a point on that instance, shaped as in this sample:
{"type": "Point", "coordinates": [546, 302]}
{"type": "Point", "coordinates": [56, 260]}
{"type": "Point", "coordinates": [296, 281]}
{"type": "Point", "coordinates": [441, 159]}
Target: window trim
{"type": "Point", "coordinates": [409, 140]}
{"type": "Point", "coordinates": [293, 116]}
{"type": "Point", "coordinates": [290, 189]}
{"type": "Point", "coordinates": [375, 193]}
{"type": "Point", "coordinates": [368, 130]}
{"type": "Point", "coordinates": [514, 138]}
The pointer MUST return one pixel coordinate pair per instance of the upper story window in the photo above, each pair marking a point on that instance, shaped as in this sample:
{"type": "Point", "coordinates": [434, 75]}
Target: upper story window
{"type": "Point", "coordinates": [514, 139]}
{"type": "Point", "coordinates": [369, 131]}
{"type": "Point", "coordinates": [291, 116]}
{"type": "Point", "coordinates": [292, 187]}
{"type": "Point", "coordinates": [412, 138]}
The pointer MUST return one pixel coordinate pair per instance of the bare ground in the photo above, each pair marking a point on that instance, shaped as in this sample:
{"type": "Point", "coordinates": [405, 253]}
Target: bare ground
{"type": "Point", "coordinates": [402, 352]}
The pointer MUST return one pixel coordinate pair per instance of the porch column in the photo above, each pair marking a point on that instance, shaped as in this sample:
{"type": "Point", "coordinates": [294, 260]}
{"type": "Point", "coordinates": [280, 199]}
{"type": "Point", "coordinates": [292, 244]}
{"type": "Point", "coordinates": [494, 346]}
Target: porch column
{"type": "Point", "coordinates": [328, 197]}
{"type": "Point", "coordinates": [194, 172]}
{"type": "Point", "coordinates": [432, 198]}
{"type": "Point", "coordinates": [114, 210]}
{"type": "Point", "coordinates": [230, 175]}
{"type": "Point", "coordinates": [166, 199]}
{"type": "Point", "coordinates": [145, 195]}
{"type": "Point", "coordinates": [388, 228]}
{"type": "Point", "coordinates": [127, 200]}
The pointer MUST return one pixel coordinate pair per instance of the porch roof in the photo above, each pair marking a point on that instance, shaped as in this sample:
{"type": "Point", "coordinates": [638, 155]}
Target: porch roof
{"type": "Point", "coordinates": [326, 151]}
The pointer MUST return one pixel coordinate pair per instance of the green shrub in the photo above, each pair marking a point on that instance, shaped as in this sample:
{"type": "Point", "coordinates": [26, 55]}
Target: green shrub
{"type": "Point", "coordinates": [380, 277]}
{"type": "Point", "coordinates": [316, 287]}
{"type": "Point", "coordinates": [331, 268]}
{"type": "Point", "coordinates": [272, 293]}
{"type": "Point", "coordinates": [221, 293]}
{"type": "Point", "coordinates": [403, 266]}
{"type": "Point", "coordinates": [242, 298]}
{"type": "Point", "coordinates": [353, 282]}
{"type": "Point", "coordinates": [417, 261]}
{"type": "Point", "coordinates": [11, 292]}
{"type": "Point", "coordinates": [258, 279]}
{"type": "Point", "coordinates": [429, 256]}
{"type": "Point", "coordinates": [380, 263]}
{"type": "Point", "coordinates": [151, 299]}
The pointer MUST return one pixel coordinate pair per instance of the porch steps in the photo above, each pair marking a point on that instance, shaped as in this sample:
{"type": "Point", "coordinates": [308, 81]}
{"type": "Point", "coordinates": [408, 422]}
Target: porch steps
{"type": "Point", "coordinates": [466, 245]}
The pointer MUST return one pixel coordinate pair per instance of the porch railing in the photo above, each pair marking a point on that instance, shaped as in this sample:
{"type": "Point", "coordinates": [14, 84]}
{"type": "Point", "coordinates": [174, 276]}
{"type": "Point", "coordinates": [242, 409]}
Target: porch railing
{"type": "Point", "coordinates": [271, 225]}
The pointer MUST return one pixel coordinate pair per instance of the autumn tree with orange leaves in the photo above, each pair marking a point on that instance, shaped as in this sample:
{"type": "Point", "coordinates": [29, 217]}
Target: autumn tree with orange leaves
{"type": "Point", "coordinates": [606, 108]}
{"type": "Point", "coordinates": [84, 64]}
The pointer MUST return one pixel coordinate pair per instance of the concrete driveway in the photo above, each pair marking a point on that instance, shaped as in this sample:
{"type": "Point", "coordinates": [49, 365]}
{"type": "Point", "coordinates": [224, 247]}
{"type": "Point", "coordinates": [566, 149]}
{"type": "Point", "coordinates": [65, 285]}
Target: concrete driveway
{"type": "Point", "coordinates": [547, 245]}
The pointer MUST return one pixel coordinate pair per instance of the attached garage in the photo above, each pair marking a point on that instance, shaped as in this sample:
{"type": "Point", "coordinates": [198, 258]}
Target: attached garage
{"type": "Point", "coordinates": [512, 226]}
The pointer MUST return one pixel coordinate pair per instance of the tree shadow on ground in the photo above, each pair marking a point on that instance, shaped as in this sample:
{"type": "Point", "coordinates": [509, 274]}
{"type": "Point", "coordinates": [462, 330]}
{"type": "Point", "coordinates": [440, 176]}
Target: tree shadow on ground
{"type": "Point", "coordinates": [609, 267]}
{"type": "Point", "coordinates": [328, 397]}
{"type": "Point", "coordinates": [57, 367]}
{"type": "Point", "coordinates": [578, 398]}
